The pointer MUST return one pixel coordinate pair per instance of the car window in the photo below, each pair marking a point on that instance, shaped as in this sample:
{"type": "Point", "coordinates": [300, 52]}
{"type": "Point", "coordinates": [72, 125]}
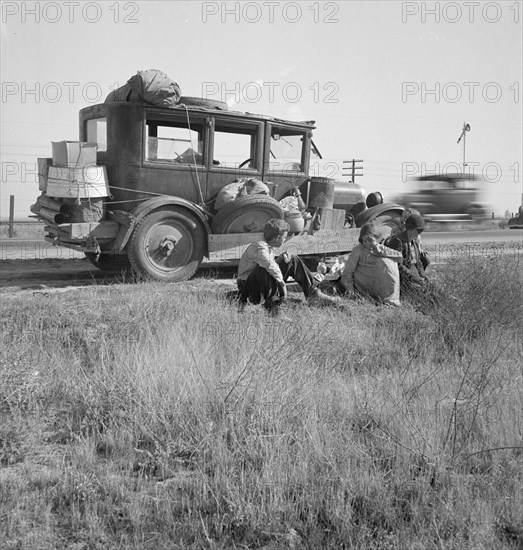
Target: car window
{"type": "Point", "coordinates": [235, 145]}
{"type": "Point", "coordinates": [174, 142]}
{"type": "Point", "coordinates": [97, 133]}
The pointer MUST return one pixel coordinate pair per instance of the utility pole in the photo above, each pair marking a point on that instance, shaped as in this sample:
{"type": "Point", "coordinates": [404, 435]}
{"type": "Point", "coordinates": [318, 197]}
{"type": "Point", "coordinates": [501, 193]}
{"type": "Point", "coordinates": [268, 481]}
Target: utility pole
{"type": "Point", "coordinates": [354, 169]}
{"type": "Point", "coordinates": [466, 128]}
{"type": "Point", "coordinates": [11, 231]}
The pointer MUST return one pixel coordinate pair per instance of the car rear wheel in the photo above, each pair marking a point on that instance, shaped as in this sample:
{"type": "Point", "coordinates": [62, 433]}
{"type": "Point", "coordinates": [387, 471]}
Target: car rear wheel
{"type": "Point", "coordinates": [167, 245]}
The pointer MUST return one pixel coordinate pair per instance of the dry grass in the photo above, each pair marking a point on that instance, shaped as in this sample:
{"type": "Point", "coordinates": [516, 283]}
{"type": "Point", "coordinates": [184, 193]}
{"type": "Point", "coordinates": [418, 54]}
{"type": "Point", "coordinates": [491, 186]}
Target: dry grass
{"type": "Point", "coordinates": [156, 416]}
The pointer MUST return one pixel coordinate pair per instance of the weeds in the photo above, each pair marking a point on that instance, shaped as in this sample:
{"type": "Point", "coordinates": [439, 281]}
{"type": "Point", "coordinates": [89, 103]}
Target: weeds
{"type": "Point", "coordinates": [156, 416]}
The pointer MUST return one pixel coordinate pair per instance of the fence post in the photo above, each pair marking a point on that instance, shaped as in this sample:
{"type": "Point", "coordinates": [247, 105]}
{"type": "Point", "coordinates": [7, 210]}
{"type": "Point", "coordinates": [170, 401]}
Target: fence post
{"type": "Point", "coordinates": [11, 232]}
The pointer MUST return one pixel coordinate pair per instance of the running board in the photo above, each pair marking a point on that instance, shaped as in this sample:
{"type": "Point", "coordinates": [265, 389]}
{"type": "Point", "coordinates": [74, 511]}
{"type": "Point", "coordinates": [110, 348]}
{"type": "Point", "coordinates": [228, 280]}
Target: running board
{"type": "Point", "coordinates": [324, 241]}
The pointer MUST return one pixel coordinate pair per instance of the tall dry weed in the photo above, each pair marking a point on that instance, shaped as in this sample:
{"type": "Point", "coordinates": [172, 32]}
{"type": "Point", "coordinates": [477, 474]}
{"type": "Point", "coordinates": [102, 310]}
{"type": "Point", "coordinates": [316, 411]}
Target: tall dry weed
{"type": "Point", "coordinates": [160, 417]}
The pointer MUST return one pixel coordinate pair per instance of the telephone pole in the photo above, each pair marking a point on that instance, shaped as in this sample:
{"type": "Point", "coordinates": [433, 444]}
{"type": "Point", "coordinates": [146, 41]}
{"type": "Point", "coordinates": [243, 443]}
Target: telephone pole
{"type": "Point", "coordinates": [466, 128]}
{"type": "Point", "coordinates": [353, 169]}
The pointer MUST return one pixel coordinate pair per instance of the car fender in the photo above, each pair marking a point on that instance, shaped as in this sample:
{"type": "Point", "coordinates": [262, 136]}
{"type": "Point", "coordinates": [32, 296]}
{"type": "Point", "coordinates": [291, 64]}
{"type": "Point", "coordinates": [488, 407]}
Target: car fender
{"type": "Point", "coordinates": [154, 204]}
{"type": "Point", "coordinates": [371, 213]}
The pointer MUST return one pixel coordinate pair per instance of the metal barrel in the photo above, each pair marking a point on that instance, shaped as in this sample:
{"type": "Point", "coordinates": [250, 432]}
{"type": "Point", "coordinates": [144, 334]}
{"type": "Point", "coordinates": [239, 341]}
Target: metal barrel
{"type": "Point", "coordinates": [321, 193]}
{"type": "Point", "coordinates": [347, 194]}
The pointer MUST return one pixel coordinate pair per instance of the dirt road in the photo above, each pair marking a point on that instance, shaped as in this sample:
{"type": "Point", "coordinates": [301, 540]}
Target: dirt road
{"type": "Point", "coordinates": [18, 275]}
{"type": "Point", "coordinates": [34, 264]}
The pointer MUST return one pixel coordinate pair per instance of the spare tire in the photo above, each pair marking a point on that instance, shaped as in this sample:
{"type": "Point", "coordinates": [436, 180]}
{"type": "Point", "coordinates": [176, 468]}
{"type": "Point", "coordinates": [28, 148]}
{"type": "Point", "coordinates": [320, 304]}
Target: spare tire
{"type": "Point", "coordinates": [203, 102]}
{"type": "Point", "coordinates": [247, 214]}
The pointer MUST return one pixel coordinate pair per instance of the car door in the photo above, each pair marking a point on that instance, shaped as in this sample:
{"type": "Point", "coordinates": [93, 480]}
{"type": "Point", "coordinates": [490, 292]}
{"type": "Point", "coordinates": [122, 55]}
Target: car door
{"type": "Point", "coordinates": [286, 156]}
{"type": "Point", "coordinates": [235, 149]}
{"type": "Point", "coordinates": [174, 155]}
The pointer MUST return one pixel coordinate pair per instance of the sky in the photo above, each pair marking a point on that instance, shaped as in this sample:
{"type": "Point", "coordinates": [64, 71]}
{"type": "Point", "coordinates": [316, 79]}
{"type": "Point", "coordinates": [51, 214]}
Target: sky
{"type": "Point", "coordinates": [388, 82]}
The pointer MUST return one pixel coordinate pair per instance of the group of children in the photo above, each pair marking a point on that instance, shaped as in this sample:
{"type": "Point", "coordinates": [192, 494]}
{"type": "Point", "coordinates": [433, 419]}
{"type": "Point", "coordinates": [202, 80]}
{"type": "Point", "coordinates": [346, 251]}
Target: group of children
{"type": "Point", "coordinates": [379, 271]}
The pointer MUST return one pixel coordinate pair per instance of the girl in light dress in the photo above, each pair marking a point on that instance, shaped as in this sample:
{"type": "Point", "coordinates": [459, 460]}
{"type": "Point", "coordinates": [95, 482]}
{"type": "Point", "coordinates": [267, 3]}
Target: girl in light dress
{"type": "Point", "coordinates": [372, 268]}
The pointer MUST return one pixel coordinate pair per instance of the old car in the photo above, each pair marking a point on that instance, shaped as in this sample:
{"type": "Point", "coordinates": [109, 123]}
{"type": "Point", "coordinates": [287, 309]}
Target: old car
{"type": "Point", "coordinates": [164, 168]}
{"type": "Point", "coordinates": [446, 196]}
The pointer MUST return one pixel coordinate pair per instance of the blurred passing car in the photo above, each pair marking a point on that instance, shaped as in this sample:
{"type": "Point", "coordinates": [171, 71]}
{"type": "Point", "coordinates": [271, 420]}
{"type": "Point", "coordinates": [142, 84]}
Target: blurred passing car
{"type": "Point", "coordinates": [451, 195]}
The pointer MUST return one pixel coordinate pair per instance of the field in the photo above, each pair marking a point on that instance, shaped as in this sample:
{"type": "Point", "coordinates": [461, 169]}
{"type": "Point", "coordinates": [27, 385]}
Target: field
{"type": "Point", "coordinates": [152, 416]}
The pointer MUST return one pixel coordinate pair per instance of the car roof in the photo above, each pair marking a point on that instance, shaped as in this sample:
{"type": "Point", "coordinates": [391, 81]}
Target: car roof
{"type": "Point", "coordinates": [450, 177]}
{"type": "Point", "coordinates": [308, 124]}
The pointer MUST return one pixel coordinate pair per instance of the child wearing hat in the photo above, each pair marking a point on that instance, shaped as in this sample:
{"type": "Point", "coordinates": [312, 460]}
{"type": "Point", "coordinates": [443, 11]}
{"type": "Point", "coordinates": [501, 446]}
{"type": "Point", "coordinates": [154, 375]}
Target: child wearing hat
{"type": "Point", "coordinates": [415, 260]}
{"type": "Point", "coordinates": [413, 279]}
{"type": "Point", "coordinates": [262, 276]}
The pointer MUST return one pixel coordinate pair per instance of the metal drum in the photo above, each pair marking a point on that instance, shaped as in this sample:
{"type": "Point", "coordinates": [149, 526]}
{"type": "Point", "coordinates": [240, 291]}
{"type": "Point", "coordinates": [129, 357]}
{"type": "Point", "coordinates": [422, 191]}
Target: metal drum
{"type": "Point", "coordinates": [347, 194]}
{"type": "Point", "coordinates": [321, 193]}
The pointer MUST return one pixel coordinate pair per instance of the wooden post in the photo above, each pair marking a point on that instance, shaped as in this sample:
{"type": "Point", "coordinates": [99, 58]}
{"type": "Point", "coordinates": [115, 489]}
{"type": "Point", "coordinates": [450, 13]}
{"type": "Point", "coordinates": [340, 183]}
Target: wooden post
{"type": "Point", "coordinates": [11, 216]}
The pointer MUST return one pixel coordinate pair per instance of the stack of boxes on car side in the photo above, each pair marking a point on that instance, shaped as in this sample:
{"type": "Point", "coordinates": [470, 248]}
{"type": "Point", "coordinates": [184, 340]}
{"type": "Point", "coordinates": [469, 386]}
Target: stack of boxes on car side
{"type": "Point", "coordinates": [73, 187]}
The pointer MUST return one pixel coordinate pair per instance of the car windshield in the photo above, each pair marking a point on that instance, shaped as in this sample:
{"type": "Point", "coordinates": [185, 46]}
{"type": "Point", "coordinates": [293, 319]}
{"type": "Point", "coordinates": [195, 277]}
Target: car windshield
{"type": "Point", "coordinates": [286, 149]}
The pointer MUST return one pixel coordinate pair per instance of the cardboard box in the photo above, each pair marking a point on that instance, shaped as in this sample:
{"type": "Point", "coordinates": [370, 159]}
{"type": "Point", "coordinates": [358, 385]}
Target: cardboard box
{"type": "Point", "coordinates": [43, 168]}
{"type": "Point", "coordinates": [332, 218]}
{"type": "Point", "coordinates": [74, 154]}
{"type": "Point", "coordinates": [82, 183]}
